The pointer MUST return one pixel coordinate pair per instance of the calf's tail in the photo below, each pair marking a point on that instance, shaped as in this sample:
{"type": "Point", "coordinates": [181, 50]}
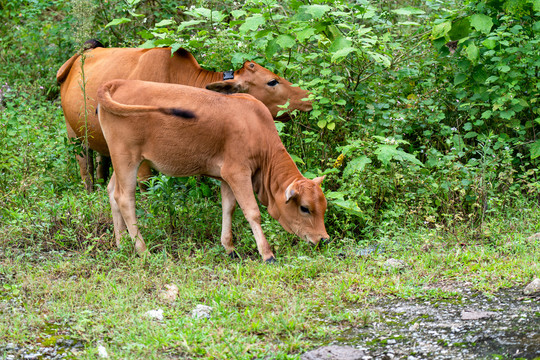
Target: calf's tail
{"type": "Point", "coordinates": [105, 101]}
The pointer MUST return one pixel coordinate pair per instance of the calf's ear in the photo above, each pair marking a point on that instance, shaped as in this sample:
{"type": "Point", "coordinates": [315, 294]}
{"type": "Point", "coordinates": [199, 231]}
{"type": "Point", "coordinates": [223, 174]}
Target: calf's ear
{"type": "Point", "coordinates": [319, 180]}
{"type": "Point", "coordinates": [226, 87]}
{"type": "Point", "coordinates": [290, 192]}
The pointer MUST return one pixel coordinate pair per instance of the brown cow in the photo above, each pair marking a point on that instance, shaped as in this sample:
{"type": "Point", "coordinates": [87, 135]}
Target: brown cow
{"type": "Point", "coordinates": [104, 64]}
{"type": "Point", "coordinates": [183, 131]}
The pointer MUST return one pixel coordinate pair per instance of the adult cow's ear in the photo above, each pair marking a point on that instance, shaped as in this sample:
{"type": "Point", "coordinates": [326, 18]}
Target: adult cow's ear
{"type": "Point", "coordinates": [291, 192]}
{"type": "Point", "coordinates": [226, 87]}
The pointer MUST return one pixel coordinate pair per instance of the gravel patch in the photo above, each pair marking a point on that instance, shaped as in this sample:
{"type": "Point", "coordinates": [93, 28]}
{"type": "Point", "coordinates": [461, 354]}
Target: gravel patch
{"type": "Point", "coordinates": [471, 326]}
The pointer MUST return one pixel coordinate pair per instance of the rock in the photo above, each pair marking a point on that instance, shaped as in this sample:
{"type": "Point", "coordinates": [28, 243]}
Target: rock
{"type": "Point", "coordinates": [154, 314]}
{"type": "Point", "coordinates": [32, 356]}
{"type": "Point", "coordinates": [533, 287]}
{"type": "Point", "coordinates": [170, 294]}
{"type": "Point", "coordinates": [394, 264]}
{"type": "Point", "coordinates": [334, 352]}
{"type": "Point", "coordinates": [201, 311]}
{"type": "Point", "coordinates": [476, 315]}
{"type": "Point", "coordinates": [102, 352]}
{"type": "Point", "coordinates": [534, 237]}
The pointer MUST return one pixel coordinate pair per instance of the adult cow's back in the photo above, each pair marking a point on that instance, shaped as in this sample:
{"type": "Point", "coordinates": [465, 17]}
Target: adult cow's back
{"type": "Point", "coordinates": [157, 65]}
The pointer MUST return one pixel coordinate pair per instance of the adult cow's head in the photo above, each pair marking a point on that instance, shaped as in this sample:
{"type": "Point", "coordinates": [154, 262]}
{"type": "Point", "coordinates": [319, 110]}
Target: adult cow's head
{"type": "Point", "coordinates": [266, 86]}
{"type": "Point", "coordinates": [302, 209]}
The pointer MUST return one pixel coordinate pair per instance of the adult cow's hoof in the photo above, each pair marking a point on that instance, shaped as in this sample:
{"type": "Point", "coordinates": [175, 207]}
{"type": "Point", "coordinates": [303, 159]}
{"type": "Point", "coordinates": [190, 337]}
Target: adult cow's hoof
{"type": "Point", "coordinates": [233, 255]}
{"type": "Point", "coordinates": [271, 260]}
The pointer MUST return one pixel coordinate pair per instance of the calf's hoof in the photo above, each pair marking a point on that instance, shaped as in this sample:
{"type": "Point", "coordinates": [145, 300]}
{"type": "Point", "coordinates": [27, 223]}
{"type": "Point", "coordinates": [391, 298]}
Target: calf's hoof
{"type": "Point", "coordinates": [270, 260]}
{"type": "Point", "coordinates": [233, 255]}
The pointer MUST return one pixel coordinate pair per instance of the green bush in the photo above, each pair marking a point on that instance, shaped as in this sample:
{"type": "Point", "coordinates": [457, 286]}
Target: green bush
{"type": "Point", "coordinates": [423, 115]}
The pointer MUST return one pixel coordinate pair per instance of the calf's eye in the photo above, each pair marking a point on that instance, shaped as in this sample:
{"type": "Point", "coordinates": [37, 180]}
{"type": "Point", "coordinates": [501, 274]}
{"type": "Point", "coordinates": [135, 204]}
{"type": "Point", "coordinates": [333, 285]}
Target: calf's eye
{"type": "Point", "coordinates": [304, 209]}
{"type": "Point", "coordinates": [272, 82]}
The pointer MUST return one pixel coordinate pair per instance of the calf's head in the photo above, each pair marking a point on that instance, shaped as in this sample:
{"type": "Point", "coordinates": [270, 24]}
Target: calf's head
{"type": "Point", "coordinates": [267, 87]}
{"type": "Point", "coordinates": [302, 209]}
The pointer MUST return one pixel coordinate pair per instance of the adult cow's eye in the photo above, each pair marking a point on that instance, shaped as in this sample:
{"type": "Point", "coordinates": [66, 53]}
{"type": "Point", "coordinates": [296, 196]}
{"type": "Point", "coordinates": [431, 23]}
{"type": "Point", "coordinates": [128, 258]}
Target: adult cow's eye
{"type": "Point", "coordinates": [272, 82]}
{"type": "Point", "coordinates": [304, 209]}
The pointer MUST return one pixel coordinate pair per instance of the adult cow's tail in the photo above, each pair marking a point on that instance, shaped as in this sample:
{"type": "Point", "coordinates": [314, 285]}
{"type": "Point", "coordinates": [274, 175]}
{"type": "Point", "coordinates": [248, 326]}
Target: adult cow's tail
{"type": "Point", "coordinates": [64, 70]}
{"type": "Point", "coordinates": [105, 100]}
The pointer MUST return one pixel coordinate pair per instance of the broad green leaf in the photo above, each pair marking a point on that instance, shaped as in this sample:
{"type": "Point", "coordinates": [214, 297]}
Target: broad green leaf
{"type": "Point", "coordinates": [175, 47]}
{"type": "Point", "coordinates": [271, 48]}
{"type": "Point", "coordinates": [118, 22]}
{"type": "Point", "coordinates": [148, 44]}
{"type": "Point", "coordinates": [252, 23]}
{"type": "Point", "coordinates": [536, 4]}
{"type": "Point", "coordinates": [145, 34]}
{"type": "Point", "coordinates": [317, 11]}
{"type": "Point", "coordinates": [482, 23]}
{"type": "Point", "coordinates": [297, 159]}
{"type": "Point", "coordinates": [535, 149]}
{"type": "Point", "coordinates": [490, 43]}
{"type": "Point", "coordinates": [331, 126]}
{"type": "Point", "coordinates": [163, 42]}
{"type": "Point", "coordinates": [189, 23]}
{"type": "Point", "coordinates": [166, 22]}
{"type": "Point", "coordinates": [380, 58]}
{"type": "Point", "coordinates": [460, 29]}
{"type": "Point", "coordinates": [408, 11]}
{"type": "Point", "coordinates": [238, 13]}
{"type": "Point", "coordinates": [385, 153]}
{"type": "Point", "coordinates": [348, 205]}
{"type": "Point", "coordinates": [305, 34]}
{"type": "Point", "coordinates": [340, 43]}
{"type": "Point", "coordinates": [472, 52]}
{"type": "Point", "coordinates": [459, 78]}
{"type": "Point", "coordinates": [504, 68]}
{"type": "Point", "coordinates": [357, 164]}
{"type": "Point", "coordinates": [441, 30]}
{"type": "Point", "coordinates": [342, 53]}
{"type": "Point", "coordinates": [285, 41]}
{"type": "Point", "coordinates": [409, 23]}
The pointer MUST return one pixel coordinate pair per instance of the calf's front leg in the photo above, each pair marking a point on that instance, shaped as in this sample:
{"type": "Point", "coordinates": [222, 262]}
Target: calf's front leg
{"type": "Point", "coordinates": [228, 204]}
{"type": "Point", "coordinates": [240, 184]}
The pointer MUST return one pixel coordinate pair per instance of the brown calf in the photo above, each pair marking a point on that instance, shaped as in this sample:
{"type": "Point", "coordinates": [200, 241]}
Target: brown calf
{"type": "Point", "coordinates": [182, 131]}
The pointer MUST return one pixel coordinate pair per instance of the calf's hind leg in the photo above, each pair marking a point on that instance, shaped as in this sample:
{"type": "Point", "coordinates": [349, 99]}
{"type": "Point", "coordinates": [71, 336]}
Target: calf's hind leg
{"type": "Point", "coordinates": [118, 219]}
{"type": "Point", "coordinates": [123, 194]}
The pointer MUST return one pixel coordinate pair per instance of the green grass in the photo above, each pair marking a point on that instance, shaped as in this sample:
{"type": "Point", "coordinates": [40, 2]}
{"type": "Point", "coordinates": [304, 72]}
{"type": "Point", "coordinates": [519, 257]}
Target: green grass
{"type": "Point", "coordinates": [99, 294]}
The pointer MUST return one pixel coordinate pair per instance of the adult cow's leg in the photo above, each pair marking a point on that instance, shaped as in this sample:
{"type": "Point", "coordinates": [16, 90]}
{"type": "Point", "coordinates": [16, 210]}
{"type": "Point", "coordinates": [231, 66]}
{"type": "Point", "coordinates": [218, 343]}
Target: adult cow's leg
{"type": "Point", "coordinates": [143, 175]}
{"type": "Point", "coordinates": [118, 219]}
{"type": "Point", "coordinates": [103, 165]}
{"type": "Point", "coordinates": [228, 204]}
{"type": "Point", "coordinates": [243, 191]}
{"type": "Point", "coordinates": [86, 163]}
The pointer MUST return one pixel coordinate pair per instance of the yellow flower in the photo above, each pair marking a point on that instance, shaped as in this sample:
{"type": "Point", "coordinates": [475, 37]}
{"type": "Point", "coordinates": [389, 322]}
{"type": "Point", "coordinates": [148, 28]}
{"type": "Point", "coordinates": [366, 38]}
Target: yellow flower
{"type": "Point", "coordinates": [339, 161]}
